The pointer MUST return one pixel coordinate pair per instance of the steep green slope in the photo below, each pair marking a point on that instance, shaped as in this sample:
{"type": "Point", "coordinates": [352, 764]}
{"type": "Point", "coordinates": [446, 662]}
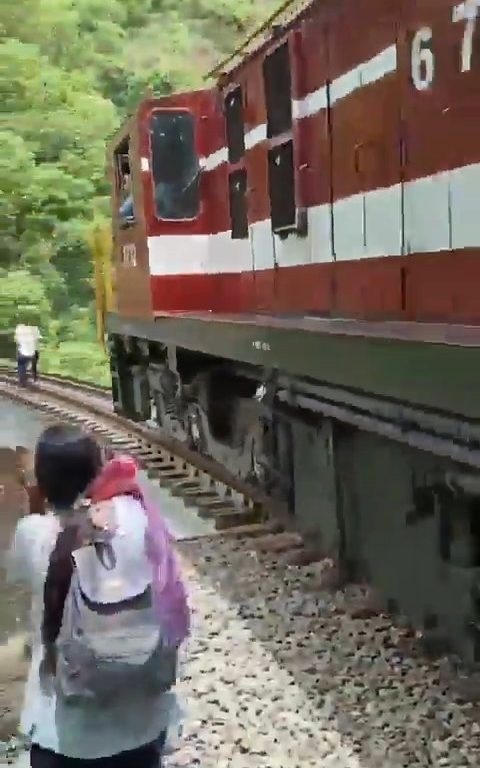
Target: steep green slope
{"type": "Point", "coordinates": [69, 70]}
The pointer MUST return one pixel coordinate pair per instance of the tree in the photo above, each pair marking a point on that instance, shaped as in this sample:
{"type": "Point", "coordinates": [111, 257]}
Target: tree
{"type": "Point", "coordinates": [69, 70]}
{"type": "Point", "coordinates": [22, 299]}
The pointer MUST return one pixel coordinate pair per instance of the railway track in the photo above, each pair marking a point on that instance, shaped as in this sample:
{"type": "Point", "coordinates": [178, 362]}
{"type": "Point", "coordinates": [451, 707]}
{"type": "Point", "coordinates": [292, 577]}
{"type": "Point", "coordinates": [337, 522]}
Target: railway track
{"type": "Point", "coordinates": [229, 503]}
{"type": "Point", "coordinates": [68, 382]}
{"type": "Point", "coordinates": [282, 668]}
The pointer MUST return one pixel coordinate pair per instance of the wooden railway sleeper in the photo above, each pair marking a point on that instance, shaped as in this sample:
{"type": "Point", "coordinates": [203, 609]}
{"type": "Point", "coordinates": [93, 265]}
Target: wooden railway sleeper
{"type": "Point", "coordinates": [186, 488]}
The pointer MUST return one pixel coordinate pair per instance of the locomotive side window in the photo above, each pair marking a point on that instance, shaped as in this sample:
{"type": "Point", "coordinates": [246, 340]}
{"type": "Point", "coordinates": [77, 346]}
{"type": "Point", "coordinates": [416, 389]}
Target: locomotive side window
{"type": "Point", "coordinates": [237, 182]}
{"type": "Point", "coordinates": [281, 183]}
{"type": "Point", "coordinates": [278, 86]}
{"type": "Point", "coordinates": [235, 127]}
{"type": "Point", "coordinates": [175, 165]}
{"type": "Point", "coordinates": [123, 183]}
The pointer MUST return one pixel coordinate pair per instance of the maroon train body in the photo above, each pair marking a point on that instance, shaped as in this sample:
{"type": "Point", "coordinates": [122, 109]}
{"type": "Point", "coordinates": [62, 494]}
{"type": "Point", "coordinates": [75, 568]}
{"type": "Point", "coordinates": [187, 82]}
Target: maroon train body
{"type": "Point", "coordinates": [297, 272]}
{"type": "Point", "coordinates": [339, 164]}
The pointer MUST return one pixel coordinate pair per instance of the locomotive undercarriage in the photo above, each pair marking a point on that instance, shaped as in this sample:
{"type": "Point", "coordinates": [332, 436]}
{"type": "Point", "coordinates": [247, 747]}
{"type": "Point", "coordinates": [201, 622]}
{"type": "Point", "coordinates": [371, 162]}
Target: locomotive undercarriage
{"type": "Point", "coordinates": [214, 408]}
{"type": "Point", "coordinates": [389, 492]}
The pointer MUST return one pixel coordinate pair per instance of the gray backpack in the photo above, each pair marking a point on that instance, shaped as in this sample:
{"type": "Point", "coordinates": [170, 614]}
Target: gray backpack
{"type": "Point", "coordinates": [110, 638]}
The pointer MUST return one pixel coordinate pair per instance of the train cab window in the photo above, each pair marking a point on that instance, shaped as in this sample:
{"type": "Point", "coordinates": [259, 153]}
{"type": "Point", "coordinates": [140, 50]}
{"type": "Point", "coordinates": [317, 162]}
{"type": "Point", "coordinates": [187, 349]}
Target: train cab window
{"type": "Point", "coordinates": [237, 182]}
{"type": "Point", "coordinates": [278, 87]}
{"type": "Point", "coordinates": [282, 187]}
{"type": "Point", "coordinates": [235, 126]}
{"type": "Point", "coordinates": [175, 165]}
{"type": "Point", "coordinates": [123, 183]}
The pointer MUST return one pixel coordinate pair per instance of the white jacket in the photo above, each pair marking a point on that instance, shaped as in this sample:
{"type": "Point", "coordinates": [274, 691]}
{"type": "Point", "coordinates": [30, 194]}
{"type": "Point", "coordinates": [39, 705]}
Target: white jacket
{"type": "Point", "coordinates": [72, 731]}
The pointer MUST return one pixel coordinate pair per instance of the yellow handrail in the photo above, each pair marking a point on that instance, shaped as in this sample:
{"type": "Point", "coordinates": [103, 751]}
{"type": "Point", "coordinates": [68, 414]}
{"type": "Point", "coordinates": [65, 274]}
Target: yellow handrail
{"type": "Point", "coordinates": [100, 242]}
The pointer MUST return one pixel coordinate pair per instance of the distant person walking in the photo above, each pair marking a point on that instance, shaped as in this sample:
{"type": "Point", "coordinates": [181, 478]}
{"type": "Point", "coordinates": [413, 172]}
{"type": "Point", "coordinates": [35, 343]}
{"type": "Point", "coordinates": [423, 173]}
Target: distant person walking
{"type": "Point", "coordinates": [27, 339]}
{"type": "Point", "coordinates": [36, 338]}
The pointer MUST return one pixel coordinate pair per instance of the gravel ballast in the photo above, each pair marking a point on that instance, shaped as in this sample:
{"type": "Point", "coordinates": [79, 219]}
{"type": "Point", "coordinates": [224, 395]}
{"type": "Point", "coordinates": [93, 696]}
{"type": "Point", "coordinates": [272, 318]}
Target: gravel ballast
{"type": "Point", "coordinates": [279, 673]}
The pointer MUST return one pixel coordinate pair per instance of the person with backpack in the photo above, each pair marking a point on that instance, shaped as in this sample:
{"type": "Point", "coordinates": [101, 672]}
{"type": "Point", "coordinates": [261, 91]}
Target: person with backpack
{"type": "Point", "coordinates": [114, 614]}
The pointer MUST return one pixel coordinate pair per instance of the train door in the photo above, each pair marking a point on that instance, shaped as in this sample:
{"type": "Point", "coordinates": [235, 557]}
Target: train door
{"type": "Point", "coordinates": [280, 160]}
{"type": "Point", "coordinates": [238, 195]}
{"type": "Point", "coordinates": [258, 112]}
{"type": "Point", "coordinates": [130, 256]}
{"type": "Point", "coordinates": [367, 203]}
{"type": "Point", "coordinates": [256, 166]}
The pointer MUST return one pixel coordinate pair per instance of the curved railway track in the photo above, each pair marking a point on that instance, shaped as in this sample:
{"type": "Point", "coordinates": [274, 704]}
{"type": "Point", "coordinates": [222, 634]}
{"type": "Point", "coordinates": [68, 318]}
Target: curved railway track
{"type": "Point", "coordinates": [69, 382]}
{"type": "Point", "coordinates": [202, 484]}
{"type": "Point", "coordinates": [230, 504]}
{"type": "Point", "coordinates": [281, 663]}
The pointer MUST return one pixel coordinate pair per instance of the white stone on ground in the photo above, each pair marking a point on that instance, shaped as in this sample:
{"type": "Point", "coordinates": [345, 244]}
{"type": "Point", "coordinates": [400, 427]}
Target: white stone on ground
{"type": "Point", "coordinates": [278, 674]}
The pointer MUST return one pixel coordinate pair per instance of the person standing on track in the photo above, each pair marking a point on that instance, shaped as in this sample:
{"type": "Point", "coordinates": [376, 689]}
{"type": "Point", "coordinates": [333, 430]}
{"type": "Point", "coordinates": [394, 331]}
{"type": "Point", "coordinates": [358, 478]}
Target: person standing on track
{"type": "Point", "coordinates": [36, 338]}
{"type": "Point", "coordinates": [27, 338]}
{"type": "Point", "coordinates": [25, 352]}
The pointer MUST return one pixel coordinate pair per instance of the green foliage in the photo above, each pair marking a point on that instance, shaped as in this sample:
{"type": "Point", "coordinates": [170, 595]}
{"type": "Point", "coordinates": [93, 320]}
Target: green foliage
{"type": "Point", "coordinates": [69, 70]}
{"type": "Point", "coordinates": [22, 298]}
{"type": "Point", "coordinates": [81, 359]}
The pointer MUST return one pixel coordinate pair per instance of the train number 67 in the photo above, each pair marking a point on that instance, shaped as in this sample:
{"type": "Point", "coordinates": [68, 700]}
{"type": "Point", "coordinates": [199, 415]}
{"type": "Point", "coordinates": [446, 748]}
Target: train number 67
{"type": "Point", "coordinates": [422, 57]}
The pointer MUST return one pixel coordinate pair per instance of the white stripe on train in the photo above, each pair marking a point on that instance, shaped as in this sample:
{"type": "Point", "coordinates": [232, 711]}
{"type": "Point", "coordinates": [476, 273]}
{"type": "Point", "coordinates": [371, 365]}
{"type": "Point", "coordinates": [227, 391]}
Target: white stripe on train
{"type": "Point", "coordinates": [440, 214]}
{"type": "Point", "coordinates": [381, 65]}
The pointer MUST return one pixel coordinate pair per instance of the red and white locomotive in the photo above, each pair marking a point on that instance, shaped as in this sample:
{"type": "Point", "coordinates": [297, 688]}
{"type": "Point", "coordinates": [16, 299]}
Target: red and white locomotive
{"type": "Point", "coordinates": [296, 283]}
